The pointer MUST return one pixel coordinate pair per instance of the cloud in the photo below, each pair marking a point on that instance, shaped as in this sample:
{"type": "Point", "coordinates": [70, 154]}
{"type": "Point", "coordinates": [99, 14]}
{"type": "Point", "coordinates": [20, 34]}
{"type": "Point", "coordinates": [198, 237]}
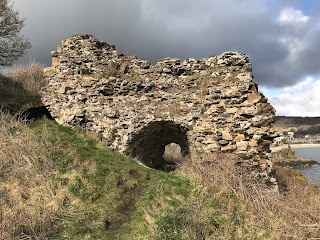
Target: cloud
{"type": "Point", "coordinates": [293, 52]}
{"type": "Point", "coordinates": [289, 15]}
{"type": "Point", "coordinates": [302, 99]}
{"type": "Point", "coordinates": [281, 40]}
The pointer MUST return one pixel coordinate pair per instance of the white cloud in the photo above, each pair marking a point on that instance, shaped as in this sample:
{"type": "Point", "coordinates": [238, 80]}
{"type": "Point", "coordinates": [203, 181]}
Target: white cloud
{"type": "Point", "coordinates": [302, 99]}
{"type": "Point", "coordinates": [290, 15]}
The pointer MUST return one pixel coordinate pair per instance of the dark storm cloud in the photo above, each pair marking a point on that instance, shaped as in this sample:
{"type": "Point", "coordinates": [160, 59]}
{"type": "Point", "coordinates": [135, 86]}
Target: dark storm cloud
{"type": "Point", "coordinates": [282, 52]}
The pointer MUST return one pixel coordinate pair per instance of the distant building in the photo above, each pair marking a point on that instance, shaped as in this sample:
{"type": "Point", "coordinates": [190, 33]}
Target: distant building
{"type": "Point", "coordinates": [290, 136]}
{"type": "Point", "coordinates": [307, 137]}
{"type": "Point", "coordinates": [278, 140]}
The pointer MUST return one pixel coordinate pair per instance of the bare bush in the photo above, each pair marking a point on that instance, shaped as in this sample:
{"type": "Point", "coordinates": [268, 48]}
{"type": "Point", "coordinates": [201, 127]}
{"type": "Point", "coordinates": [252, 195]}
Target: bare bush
{"type": "Point", "coordinates": [30, 76]}
{"type": "Point", "coordinates": [222, 170]}
{"type": "Point", "coordinates": [293, 213]}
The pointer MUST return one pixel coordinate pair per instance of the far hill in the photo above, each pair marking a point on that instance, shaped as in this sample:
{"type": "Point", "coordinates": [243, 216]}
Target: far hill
{"type": "Point", "coordinates": [299, 125]}
{"type": "Point", "coordinates": [283, 121]}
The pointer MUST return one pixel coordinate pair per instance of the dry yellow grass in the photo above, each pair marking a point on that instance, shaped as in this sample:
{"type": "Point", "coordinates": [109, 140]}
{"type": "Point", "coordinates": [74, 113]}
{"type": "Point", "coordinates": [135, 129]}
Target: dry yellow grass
{"type": "Point", "coordinates": [294, 213]}
{"type": "Point", "coordinates": [29, 200]}
{"type": "Point", "coordinates": [30, 76]}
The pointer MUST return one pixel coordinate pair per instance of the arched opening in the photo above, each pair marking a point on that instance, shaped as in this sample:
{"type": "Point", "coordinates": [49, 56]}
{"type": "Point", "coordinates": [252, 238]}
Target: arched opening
{"type": "Point", "coordinates": [160, 145]}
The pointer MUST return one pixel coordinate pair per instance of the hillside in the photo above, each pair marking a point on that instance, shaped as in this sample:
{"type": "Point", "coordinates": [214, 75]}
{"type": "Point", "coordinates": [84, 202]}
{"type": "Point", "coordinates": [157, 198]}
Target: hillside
{"type": "Point", "coordinates": [60, 183]}
{"type": "Point", "coordinates": [75, 188]}
{"type": "Point", "coordinates": [287, 122]}
{"type": "Point", "coordinates": [300, 125]}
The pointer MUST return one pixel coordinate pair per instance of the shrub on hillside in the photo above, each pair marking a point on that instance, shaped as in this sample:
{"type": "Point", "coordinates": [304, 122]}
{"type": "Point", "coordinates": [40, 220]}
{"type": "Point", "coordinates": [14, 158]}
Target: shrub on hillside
{"type": "Point", "coordinates": [295, 211]}
{"type": "Point", "coordinates": [30, 76]}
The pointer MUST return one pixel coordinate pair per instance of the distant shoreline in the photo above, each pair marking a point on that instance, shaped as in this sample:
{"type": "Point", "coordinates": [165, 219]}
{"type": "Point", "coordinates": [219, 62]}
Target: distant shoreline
{"type": "Point", "coordinates": [304, 145]}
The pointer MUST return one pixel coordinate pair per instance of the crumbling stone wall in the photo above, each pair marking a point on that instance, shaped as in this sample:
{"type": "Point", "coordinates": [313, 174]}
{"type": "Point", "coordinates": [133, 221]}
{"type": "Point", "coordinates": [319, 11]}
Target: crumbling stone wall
{"type": "Point", "coordinates": [211, 104]}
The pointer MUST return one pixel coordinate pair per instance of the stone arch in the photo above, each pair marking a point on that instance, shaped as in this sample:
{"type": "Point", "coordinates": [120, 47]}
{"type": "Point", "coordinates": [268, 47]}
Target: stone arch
{"type": "Point", "coordinates": [149, 144]}
{"type": "Point", "coordinates": [115, 95]}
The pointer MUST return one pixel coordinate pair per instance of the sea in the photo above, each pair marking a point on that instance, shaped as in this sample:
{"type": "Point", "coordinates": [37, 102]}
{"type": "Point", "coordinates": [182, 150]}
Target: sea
{"type": "Point", "coordinates": [311, 173]}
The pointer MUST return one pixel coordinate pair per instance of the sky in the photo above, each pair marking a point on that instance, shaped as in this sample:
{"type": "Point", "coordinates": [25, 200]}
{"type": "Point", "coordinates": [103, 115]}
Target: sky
{"type": "Point", "coordinates": [281, 37]}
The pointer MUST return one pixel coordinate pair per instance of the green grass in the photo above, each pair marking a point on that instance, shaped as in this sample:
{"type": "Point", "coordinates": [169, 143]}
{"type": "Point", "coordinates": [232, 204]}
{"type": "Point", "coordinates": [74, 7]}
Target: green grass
{"type": "Point", "coordinates": [105, 188]}
{"type": "Point", "coordinates": [103, 184]}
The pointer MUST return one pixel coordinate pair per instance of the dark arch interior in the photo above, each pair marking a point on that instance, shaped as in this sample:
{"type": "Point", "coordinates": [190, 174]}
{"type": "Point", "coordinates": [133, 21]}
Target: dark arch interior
{"type": "Point", "coordinates": [150, 143]}
{"type": "Point", "coordinates": [34, 113]}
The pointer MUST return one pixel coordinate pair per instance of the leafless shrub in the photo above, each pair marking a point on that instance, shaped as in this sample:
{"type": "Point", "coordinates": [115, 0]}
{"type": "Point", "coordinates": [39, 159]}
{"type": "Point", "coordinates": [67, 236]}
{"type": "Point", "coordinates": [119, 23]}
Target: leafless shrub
{"type": "Point", "coordinates": [30, 76]}
{"type": "Point", "coordinates": [294, 213]}
{"type": "Point", "coordinates": [222, 170]}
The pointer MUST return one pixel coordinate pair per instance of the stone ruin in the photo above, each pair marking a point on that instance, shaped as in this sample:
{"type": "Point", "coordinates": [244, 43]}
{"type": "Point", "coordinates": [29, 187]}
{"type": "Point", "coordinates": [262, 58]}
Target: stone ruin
{"type": "Point", "coordinates": [210, 105]}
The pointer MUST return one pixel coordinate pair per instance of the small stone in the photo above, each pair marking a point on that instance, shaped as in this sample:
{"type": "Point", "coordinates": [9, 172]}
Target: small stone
{"type": "Point", "coordinates": [253, 144]}
{"type": "Point", "coordinates": [246, 111]}
{"type": "Point", "coordinates": [213, 147]}
{"type": "Point", "coordinates": [112, 79]}
{"type": "Point", "coordinates": [63, 90]}
{"type": "Point", "coordinates": [123, 68]}
{"type": "Point", "coordinates": [55, 62]}
{"type": "Point", "coordinates": [223, 142]}
{"type": "Point", "coordinates": [253, 98]}
{"type": "Point", "coordinates": [89, 79]}
{"type": "Point", "coordinates": [49, 72]}
{"type": "Point", "coordinates": [234, 80]}
{"type": "Point", "coordinates": [228, 148]}
{"type": "Point", "coordinates": [231, 110]}
{"type": "Point", "coordinates": [256, 137]}
{"type": "Point", "coordinates": [239, 137]}
{"type": "Point", "coordinates": [209, 141]}
{"type": "Point", "coordinates": [242, 146]}
{"type": "Point", "coordinates": [54, 53]}
{"type": "Point", "coordinates": [166, 70]}
{"type": "Point", "coordinates": [251, 130]}
{"type": "Point", "coordinates": [226, 135]}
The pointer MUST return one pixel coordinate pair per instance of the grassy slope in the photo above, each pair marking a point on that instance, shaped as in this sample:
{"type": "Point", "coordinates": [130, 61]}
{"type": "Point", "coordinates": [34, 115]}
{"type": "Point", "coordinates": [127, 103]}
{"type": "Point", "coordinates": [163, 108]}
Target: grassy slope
{"type": "Point", "coordinates": [99, 194]}
{"type": "Point", "coordinates": [60, 183]}
{"type": "Point", "coordinates": [120, 199]}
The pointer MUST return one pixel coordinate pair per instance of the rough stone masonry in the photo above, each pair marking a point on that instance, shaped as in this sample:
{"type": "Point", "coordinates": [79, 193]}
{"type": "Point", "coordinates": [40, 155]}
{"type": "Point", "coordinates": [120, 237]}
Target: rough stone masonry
{"type": "Point", "coordinates": [210, 105]}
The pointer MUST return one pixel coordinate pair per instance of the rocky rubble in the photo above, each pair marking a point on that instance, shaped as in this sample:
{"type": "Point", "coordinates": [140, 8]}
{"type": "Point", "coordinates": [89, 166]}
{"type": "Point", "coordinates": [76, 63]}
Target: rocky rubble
{"type": "Point", "coordinates": [214, 101]}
